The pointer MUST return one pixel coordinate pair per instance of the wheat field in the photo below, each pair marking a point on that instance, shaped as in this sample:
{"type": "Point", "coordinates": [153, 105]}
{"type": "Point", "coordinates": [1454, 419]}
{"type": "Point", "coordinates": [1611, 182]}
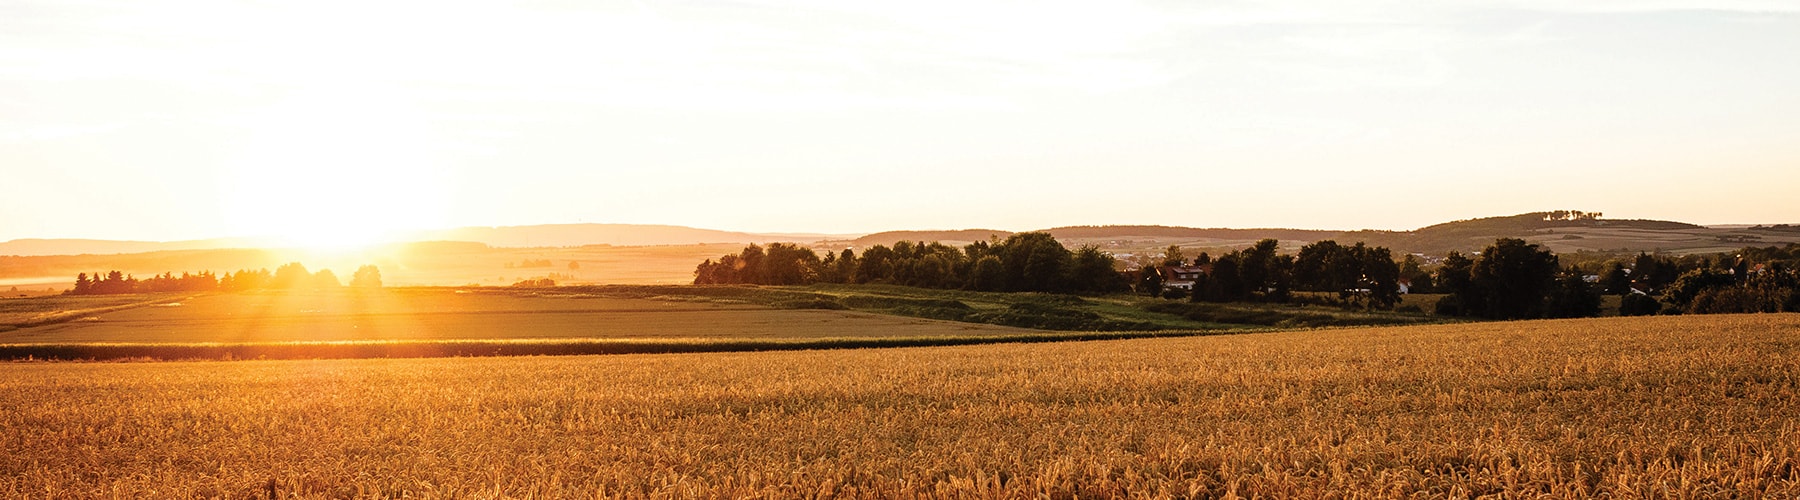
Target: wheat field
{"type": "Point", "coordinates": [1699, 407]}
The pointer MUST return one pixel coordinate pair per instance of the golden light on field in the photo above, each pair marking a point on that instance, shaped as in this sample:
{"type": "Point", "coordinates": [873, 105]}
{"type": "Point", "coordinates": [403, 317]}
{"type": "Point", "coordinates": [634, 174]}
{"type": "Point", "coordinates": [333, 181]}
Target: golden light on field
{"type": "Point", "coordinates": [1684, 407]}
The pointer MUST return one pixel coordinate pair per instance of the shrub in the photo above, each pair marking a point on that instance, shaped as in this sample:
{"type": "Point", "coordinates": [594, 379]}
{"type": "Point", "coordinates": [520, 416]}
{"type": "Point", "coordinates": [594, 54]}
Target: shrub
{"type": "Point", "coordinates": [816, 303]}
{"type": "Point", "coordinates": [1637, 304]}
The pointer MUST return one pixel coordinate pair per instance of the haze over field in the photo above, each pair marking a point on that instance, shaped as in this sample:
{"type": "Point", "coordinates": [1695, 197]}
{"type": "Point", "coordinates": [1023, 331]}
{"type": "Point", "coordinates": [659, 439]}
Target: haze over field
{"type": "Point", "coordinates": [333, 123]}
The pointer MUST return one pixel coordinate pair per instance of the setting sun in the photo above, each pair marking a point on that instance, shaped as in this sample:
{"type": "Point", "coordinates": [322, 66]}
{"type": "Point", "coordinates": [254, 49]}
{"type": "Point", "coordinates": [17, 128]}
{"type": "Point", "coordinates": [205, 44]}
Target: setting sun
{"type": "Point", "coordinates": [940, 249]}
{"type": "Point", "coordinates": [334, 170]}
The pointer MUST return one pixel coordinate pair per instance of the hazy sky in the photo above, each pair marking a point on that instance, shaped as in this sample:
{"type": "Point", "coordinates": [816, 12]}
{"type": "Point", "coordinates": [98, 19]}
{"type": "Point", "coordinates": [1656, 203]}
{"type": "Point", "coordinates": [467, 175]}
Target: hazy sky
{"type": "Point", "coordinates": [189, 119]}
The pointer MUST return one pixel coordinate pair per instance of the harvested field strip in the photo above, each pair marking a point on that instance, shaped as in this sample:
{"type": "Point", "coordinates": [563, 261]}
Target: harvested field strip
{"type": "Point", "coordinates": [52, 318]}
{"type": "Point", "coordinates": [511, 347]}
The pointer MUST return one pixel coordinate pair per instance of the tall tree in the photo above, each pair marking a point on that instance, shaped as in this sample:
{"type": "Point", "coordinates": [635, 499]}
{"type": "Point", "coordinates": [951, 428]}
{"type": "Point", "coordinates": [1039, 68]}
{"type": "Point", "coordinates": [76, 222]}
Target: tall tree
{"type": "Point", "coordinates": [1035, 262]}
{"type": "Point", "coordinates": [1149, 281]}
{"type": "Point", "coordinates": [1456, 277]}
{"type": "Point", "coordinates": [367, 276]}
{"type": "Point", "coordinates": [1172, 256]}
{"type": "Point", "coordinates": [290, 275]}
{"type": "Point", "coordinates": [1094, 270]}
{"type": "Point", "coordinates": [1516, 277]}
{"type": "Point", "coordinates": [1572, 297]}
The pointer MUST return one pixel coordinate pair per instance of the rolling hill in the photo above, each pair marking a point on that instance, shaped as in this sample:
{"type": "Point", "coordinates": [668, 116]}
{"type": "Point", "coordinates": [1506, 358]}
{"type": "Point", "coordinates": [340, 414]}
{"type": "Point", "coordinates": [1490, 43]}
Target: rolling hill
{"type": "Point", "coordinates": [650, 254]}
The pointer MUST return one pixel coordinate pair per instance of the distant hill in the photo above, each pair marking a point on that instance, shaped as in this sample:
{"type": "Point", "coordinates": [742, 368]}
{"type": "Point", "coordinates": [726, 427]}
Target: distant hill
{"type": "Point", "coordinates": [1132, 232]}
{"type": "Point", "coordinates": [546, 235]}
{"type": "Point", "coordinates": [1560, 231]}
{"type": "Point", "coordinates": [960, 236]}
{"type": "Point", "coordinates": [569, 235]}
{"type": "Point", "coordinates": [72, 246]}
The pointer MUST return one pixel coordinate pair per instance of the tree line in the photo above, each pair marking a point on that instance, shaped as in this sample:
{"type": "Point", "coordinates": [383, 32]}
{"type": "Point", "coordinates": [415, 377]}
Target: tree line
{"type": "Point", "coordinates": [1023, 262]}
{"type": "Point", "coordinates": [1037, 262]}
{"type": "Point", "coordinates": [1357, 274]}
{"type": "Point", "coordinates": [289, 276]}
{"type": "Point", "coordinates": [1755, 279]}
{"type": "Point", "coordinates": [1512, 280]}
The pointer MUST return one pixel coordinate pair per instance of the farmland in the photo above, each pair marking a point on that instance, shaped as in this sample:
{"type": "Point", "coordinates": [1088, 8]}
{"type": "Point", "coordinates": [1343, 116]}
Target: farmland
{"type": "Point", "coordinates": [488, 321]}
{"type": "Point", "coordinates": [1659, 406]}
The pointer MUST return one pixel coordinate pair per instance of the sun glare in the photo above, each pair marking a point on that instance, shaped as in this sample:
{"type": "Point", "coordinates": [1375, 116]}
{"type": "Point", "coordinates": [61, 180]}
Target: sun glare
{"type": "Point", "coordinates": [335, 171]}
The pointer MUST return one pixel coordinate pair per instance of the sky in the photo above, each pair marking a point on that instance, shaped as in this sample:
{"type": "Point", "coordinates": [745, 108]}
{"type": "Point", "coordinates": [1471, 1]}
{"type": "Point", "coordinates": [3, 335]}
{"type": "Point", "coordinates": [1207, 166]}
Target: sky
{"type": "Point", "coordinates": [329, 120]}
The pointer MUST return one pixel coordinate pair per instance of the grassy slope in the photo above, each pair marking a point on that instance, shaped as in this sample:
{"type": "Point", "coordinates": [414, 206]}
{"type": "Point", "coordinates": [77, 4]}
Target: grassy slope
{"type": "Point", "coordinates": [1107, 313]}
{"type": "Point", "coordinates": [1703, 406]}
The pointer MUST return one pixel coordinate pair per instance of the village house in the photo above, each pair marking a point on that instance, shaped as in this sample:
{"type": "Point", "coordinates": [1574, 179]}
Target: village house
{"type": "Point", "coordinates": [1182, 277]}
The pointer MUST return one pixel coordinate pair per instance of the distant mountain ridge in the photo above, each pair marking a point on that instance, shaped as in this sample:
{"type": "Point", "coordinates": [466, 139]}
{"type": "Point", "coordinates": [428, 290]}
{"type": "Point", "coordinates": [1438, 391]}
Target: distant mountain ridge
{"type": "Point", "coordinates": [543, 235]}
{"type": "Point", "coordinates": [569, 235]}
{"type": "Point", "coordinates": [947, 236]}
{"type": "Point", "coordinates": [1560, 230]}
{"type": "Point", "coordinates": [1105, 232]}
{"type": "Point", "coordinates": [77, 246]}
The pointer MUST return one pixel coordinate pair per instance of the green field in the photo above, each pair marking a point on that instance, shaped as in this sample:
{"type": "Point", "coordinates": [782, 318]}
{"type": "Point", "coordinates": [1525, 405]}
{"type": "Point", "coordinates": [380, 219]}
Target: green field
{"type": "Point", "coordinates": [1686, 407]}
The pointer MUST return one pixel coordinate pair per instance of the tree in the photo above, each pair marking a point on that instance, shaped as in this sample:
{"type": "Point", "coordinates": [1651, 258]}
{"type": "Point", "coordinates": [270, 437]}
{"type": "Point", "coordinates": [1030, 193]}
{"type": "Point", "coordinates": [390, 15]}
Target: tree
{"type": "Point", "coordinates": [1515, 277]}
{"type": "Point", "coordinates": [325, 279]}
{"type": "Point", "coordinates": [846, 266]}
{"type": "Point", "coordinates": [1261, 271]}
{"type": "Point", "coordinates": [875, 266]}
{"type": "Point", "coordinates": [1638, 304]}
{"type": "Point", "coordinates": [1172, 256]}
{"type": "Point", "coordinates": [1653, 273]}
{"type": "Point", "coordinates": [987, 275]}
{"type": "Point", "coordinates": [1456, 278]}
{"type": "Point", "coordinates": [1682, 292]}
{"type": "Point", "coordinates": [290, 275]}
{"type": "Point", "coordinates": [367, 276]}
{"type": "Point", "coordinates": [788, 264]}
{"type": "Point", "coordinates": [1034, 262]}
{"type": "Point", "coordinates": [1414, 271]}
{"type": "Point", "coordinates": [1149, 281]}
{"type": "Point", "coordinates": [1225, 284]}
{"type": "Point", "coordinates": [83, 286]}
{"type": "Point", "coordinates": [1094, 270]}
{"type": "Point", "coordinates": [1380, 276]}
{"type": "Point", "coordinates": [1313, 265]}
{"type": "Point", "coordinates": [1572, 297]}
{"type": "Point", "coordinates": [1616, 281]}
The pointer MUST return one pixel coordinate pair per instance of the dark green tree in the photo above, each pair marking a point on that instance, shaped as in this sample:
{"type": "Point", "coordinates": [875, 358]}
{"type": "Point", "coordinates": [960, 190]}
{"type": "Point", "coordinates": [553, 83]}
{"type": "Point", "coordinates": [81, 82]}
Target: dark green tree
{"type": "Point", "coordinates": [987, 275]}
{"type": "Point", "coordinates": [1150, 281]}
{"type": "Point", "coordinates": [1515, 277]}
{"type": "Point", "coordinates": [1225, 284]}
{"type": "Point", "coordinates": [1616, 280]}
{"type": "Point", "coordinates": [1035, 262]}
{"type": "Point", "coordinates": [1573, 297]}
{"type": "Point", "coordinates": [1456, 278]}
{"type": "Point", "coordinates": [1638, 304]}
{"type": "Point", "coordinates": [1094, 270]}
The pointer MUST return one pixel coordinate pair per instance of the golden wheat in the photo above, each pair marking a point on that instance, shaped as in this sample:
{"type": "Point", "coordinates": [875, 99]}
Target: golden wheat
{"type": "Point", "coordinates": [1640, 407]}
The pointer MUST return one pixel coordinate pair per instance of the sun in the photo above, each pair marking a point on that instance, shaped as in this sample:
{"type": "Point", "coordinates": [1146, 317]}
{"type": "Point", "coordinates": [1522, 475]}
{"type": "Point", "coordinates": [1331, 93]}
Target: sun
{"type": "Point", "coordinates": [334, 172]}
